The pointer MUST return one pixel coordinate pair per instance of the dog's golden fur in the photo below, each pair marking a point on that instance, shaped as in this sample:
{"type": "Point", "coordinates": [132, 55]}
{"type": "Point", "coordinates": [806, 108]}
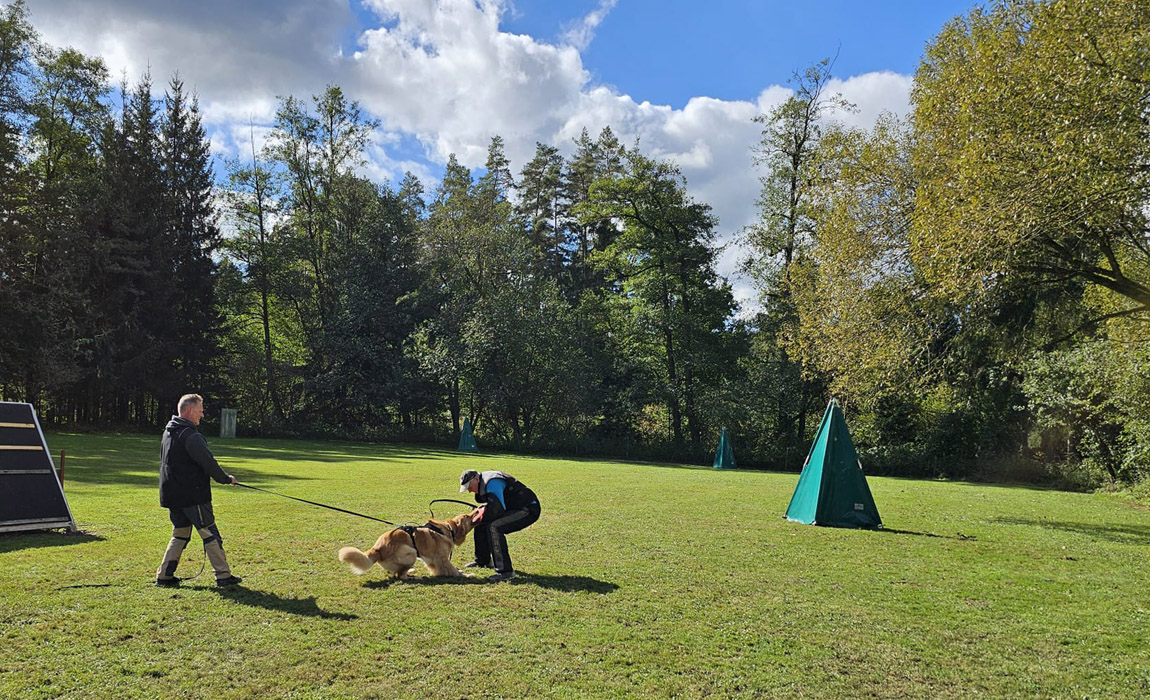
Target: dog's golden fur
{"type": "Point", "coordinates": [394, 551]}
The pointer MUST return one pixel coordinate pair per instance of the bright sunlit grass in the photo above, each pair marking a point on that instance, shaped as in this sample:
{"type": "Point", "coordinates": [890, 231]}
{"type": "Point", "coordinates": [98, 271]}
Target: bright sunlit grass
{"type": "Point", "coordinates": [638, 581]}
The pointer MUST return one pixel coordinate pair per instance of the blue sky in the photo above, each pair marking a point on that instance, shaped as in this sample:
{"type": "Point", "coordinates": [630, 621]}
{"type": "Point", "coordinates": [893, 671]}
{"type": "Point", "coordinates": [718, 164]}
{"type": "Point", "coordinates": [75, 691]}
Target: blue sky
{"type": "Point", "coordinates": [668, 52]}
{"type": "Point", "coordinates": [683, 79]}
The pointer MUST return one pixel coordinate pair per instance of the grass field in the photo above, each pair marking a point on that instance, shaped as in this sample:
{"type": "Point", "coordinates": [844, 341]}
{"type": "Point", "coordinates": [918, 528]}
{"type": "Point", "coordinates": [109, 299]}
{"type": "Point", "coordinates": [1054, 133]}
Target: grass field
{"type": "Point", "coordinates": [645, 581]}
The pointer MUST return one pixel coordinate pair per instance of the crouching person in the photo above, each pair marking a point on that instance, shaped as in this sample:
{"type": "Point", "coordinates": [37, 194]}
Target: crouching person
{"type": "Point", "coordinates": [186, 464]}
{"type": "Point", "coordinates": [508, 506]}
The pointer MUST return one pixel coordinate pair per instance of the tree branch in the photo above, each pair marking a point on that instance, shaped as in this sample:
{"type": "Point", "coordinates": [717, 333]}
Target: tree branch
{"type": "Point", "coordinates": [1093, 323]}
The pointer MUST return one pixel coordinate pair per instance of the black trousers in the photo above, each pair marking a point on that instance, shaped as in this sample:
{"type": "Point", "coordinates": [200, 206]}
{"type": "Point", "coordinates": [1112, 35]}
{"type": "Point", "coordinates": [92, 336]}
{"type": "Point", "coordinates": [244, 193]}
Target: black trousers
{"type": "Point", "coordinates": [200, 517]}
{"type": "Point", "coordinates": [491, 537]}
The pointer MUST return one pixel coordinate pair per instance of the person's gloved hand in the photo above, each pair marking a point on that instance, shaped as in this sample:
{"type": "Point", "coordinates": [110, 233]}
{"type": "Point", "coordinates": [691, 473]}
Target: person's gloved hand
{"type": "Point", "coordinates": [477, 516]}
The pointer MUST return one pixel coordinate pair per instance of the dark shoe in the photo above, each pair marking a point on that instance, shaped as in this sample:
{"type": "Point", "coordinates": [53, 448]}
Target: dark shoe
{"type": "Point", "coordinates": [229, 581]}
{"type": "Point", "coordinates": [476, 565]}
{"type": "Point", "coordinates": [497, 576]}
{"type": "Point", "coordinates": [172, 582]}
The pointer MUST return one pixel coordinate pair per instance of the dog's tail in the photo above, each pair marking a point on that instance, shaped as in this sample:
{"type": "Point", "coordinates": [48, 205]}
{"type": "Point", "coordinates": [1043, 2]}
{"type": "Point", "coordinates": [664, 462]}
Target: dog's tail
{"type": "Point", "coordinates": [357, 560]}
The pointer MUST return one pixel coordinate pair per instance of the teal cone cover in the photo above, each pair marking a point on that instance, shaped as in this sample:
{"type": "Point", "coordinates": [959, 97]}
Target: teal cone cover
{"type": "Point", "coordinates": [832, 489]}
{"type": "Point", "coordinates": [466, 439]}
{"type": "Point", "coordinates": [725, 453]}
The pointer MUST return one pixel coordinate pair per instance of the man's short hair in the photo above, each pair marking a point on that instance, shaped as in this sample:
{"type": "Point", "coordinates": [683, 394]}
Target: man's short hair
{"type": "Point", "coordinates": [187, 400]}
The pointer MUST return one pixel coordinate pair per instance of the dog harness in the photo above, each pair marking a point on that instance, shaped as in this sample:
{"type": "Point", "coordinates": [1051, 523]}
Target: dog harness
{"type": "Point", "coordinates": [410, 530]}
{"type": "Point", "coordinates": [449, 534]}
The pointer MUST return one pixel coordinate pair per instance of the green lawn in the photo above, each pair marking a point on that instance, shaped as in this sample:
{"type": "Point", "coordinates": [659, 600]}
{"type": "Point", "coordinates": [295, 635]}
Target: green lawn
{"type": "Point", "coordinates": [638, 581]}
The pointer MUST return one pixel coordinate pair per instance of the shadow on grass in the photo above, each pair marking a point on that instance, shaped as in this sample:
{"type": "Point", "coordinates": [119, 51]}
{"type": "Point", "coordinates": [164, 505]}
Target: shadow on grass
{"type": "Point", "coordinates": [11, 542]}
{"type": "Point", "coordinates": [134, 459]}
{"type": "Point", "coordinates": [305, 607]}
{"type": "Point", "coordinates": [558, 583]}
{"type": "Point", "coordinates": [330, 452]}
{"type": "Point", "coordinates": [1123, 534]}
{"type": "Point", "coordinates": [959, 536]}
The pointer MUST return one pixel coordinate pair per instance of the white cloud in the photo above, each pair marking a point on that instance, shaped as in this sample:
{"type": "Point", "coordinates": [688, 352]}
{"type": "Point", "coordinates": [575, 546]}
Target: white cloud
{"type": "Point", "coordinates": [454, 79]}
{"type": "Point", "coordinates": [872, 93]}
{"type": "Point", "coordinates": [444, 74]}
{"type": "Point", "coordinates": [240, 140]}
{"type": "Point", "coordinates": [224, 48]}
{"type": "Point", "coordinates": [580, 34]}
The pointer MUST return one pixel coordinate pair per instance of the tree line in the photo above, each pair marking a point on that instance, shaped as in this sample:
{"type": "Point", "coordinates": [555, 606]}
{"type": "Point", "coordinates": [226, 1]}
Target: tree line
{"type": "Point", "coordinates": [971, 280]}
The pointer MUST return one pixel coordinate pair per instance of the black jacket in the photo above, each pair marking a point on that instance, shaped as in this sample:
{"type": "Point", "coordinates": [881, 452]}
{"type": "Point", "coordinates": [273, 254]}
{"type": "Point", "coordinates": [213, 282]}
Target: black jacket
{"type": "Point", "coordinates": [185, 465]}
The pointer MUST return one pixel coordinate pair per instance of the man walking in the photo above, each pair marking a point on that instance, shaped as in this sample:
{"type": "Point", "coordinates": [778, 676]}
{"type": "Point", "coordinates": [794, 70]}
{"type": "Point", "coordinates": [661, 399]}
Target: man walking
{"type": "Point", "coordinates": [509, 507]}
{"type": "Point", "coordinates": [186, 464]}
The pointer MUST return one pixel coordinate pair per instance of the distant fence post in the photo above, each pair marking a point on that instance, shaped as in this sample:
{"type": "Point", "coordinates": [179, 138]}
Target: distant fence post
{"type": "Point", "coordinates": [228, 423]}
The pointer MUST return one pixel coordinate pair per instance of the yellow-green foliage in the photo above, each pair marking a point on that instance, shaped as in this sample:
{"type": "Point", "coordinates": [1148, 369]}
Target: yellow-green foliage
{"type": "Point", "coordinates": [1031, 145]}
{"type": "Point", "coordinates": [860, 301]}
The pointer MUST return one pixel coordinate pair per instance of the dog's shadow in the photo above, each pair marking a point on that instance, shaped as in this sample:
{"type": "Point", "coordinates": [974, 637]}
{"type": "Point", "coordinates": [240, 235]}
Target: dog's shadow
{"type": "Point", "coordinates": [559, 583]}
{"type": "Point", "coordinates": [306, 607]}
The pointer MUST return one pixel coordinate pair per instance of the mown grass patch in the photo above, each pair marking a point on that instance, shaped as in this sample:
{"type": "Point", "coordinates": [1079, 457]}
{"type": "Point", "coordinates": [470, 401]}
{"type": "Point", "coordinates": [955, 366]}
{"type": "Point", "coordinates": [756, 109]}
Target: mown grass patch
{"type": "Point", "coordinates": [650, 581]}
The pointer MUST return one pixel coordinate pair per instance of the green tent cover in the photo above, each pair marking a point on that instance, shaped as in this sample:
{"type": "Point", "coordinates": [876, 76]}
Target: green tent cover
{"type": "Point", "coordinates": [466, 438]}
{"type": "Point", "coordinates": [832, 489]}
{"type": "Point", "coordinates": [725, 453]}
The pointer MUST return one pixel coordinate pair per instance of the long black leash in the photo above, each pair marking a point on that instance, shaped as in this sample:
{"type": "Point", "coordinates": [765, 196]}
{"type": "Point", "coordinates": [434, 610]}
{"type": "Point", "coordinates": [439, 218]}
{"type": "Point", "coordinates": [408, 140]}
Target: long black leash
{"type": "Point", "coordinates": [449, 500]}
{"type": "Point", "coordinates": [321, 505]}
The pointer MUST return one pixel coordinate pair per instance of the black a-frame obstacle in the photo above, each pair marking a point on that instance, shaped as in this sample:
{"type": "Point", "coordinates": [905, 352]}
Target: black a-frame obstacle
{"type": "Point", "coordinates": [31, 497]}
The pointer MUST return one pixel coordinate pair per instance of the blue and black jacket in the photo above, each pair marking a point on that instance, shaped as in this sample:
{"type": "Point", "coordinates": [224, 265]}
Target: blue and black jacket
{"type": "Point", "coordinates": [502, 492]}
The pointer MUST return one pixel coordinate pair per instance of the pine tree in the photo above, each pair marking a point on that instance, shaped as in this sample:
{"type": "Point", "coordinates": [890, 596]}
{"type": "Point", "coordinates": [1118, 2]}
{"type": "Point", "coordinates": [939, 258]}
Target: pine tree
{"type": "Point", "coordinates": [542, 205]}
{"type": "Point", "coordinates": [192, 237]}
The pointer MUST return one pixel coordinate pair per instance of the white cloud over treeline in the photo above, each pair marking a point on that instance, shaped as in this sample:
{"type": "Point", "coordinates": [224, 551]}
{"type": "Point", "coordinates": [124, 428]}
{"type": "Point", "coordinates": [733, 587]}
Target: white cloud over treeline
{"type": "Point", "coordinates": [444, 73]}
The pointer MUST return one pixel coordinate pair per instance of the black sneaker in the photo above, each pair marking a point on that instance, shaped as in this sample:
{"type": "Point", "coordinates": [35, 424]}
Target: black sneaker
{"type": "Point", "coordinates": [476, 565]}
{"type": "Point", "coordinates": [229, 581]}
{"type": "Point", "coordinates": [172, 582]}
{"type": "Point", "coordinates": [497, 576]}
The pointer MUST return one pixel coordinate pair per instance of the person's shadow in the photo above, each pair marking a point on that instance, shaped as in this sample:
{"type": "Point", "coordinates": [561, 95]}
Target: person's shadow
{"type": "Point", "coordinates": [306, 607]}
{"type": "Point", "coordinates": [957, 536]}
{"type": "Point", "coordinates": [559, 583]}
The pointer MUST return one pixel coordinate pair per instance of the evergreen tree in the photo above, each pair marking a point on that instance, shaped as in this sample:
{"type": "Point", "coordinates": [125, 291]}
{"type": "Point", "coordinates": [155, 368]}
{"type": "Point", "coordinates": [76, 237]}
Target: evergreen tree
{"type": "Point", "coordinates": [544, 209]}
{"type": "Point", "coordinates": [192, 238]}
{"type": "Point", "coordinates": [132, 340]}
{"type": "Point", "coordinates": [498, 171]}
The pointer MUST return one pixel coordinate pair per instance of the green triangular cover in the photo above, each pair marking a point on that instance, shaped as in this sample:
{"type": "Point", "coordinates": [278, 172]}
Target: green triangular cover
{"type": "Point", "coordinates": [466, 439]}
{"type": "Point", "coordinates": [832, 489]}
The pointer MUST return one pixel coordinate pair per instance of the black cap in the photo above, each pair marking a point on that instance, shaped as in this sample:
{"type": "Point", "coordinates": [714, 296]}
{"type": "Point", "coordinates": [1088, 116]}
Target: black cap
{"type": "Point", "coordinates": [467, 476]}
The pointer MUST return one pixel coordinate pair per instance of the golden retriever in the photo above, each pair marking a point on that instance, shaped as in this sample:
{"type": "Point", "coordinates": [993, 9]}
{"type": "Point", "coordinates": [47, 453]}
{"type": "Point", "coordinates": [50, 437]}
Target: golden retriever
{"type": "Point", "coordinates": [394, 550]}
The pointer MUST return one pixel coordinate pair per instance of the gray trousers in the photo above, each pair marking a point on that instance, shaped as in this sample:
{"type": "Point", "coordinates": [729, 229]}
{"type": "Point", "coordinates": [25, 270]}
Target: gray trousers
{"type": "Point", "coordinates": [203, 520]}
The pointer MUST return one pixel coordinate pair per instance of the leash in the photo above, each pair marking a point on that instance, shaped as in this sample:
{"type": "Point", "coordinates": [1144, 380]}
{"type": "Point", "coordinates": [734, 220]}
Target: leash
{"type": "Point", "coordinates": [449, 500]}
{"type": "Point", "coordinates": [321, 505]}
{"type": "Point", "coordinates": [202, 565]}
